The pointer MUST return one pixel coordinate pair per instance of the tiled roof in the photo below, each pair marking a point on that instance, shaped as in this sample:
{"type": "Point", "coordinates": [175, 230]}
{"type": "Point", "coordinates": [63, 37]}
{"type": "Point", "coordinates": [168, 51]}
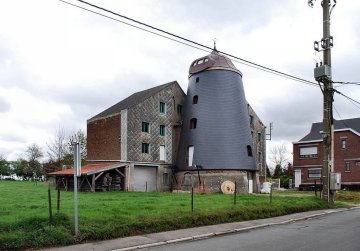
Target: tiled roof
{"type": "Point", "coordinates": [88, 169]}
{"type": "Point", "coordinates": [132, 100]}
{"type": "Point", "coordinates": [316, 128]}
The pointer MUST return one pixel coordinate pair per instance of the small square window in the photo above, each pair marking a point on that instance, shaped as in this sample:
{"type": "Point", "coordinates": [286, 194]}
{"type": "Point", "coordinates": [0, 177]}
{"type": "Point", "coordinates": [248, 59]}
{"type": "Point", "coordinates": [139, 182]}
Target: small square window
{"type": "Point", "coordinates": [343, 143]}
{"type": "Point", "coordinates": [197, 80]}
{"type": "Point", "coordinates": [162, 130]}
{"type": "Point", "coordinates": [193, 123]}
{"type": "Point", "coordinates": [179, 109]}
{"type": "Point", "coordinates": [145, 127]}
{"type": "Point", "coordinates": [162, 107]}
{"type": "Point", "coordinates": [347, 167]}
{"type": "Point", "coordinates": [145, 148]}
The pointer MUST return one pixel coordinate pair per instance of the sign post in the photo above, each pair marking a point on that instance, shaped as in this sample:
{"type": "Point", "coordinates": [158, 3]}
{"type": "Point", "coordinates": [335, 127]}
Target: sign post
{"type": "Point", "coordinates": [77, 173]}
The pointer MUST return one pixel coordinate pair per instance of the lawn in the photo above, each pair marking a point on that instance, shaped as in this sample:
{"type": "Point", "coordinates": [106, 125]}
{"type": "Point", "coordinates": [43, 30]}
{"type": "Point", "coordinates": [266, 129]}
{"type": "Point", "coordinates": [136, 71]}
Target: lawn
{"type": "Point", "coordinates": [24, 213]}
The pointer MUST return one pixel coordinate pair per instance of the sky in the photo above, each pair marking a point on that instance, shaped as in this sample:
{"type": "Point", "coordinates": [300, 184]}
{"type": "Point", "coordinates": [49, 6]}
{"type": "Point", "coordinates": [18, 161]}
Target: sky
{"type": "Point", "coordinates": [61, 65]}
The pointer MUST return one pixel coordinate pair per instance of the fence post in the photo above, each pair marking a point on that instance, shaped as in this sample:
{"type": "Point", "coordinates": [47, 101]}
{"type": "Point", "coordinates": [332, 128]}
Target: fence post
{"type": "Point", "coordinates": [58, 200]}
{"type": "Point", "coordinates": [235, 194]}
{"type": "Point", "coordinates": [192, 199]}
{"type": "Point", "coordinates": [146, 186]}
{"type": "Point", "coordinates": [315, 189]}
{"type": "Point", "coordinates": [50, 209]}
{"type": "Point", "coordinates": [270, 193]}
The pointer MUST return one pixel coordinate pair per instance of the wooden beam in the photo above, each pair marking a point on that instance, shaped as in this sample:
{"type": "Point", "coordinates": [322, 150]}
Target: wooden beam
{"type": "Point", "coordinates": [89, 184]}
{"type": "Point", "coordinates": [98, 176]}
{"type": "Point", "coordinates": [93, 182]}
{"type": "Point", "coordinates": [82, 180]}
{"type": "Point", "coordinates": [117, 170]}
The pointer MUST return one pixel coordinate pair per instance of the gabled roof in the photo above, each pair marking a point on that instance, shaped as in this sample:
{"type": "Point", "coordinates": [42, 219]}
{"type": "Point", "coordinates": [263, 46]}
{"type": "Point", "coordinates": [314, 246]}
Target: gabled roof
{"type": "Point", "coordinates": [340, 125]}
{"type": "Point", "coordinates": [132, 100]}
{"type": "Point", "coordinates": [89, 169]}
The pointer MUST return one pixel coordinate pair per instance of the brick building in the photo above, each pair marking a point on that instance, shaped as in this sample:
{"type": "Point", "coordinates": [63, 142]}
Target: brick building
{"type": "Point", "coordinates": [308, 154]}
{"type": "Point", "coordinates": [142, 132]}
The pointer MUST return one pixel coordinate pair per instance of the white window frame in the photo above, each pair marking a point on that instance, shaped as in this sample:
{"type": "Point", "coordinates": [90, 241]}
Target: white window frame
{"type": "Point", "coordinates": [308, 152]}
{"type": "Point", "coordinates": [316, 175]}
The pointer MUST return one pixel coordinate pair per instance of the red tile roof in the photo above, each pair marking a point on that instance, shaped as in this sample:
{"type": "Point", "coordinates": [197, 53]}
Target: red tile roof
{"type": "Point", "coordinates": [84, 170]}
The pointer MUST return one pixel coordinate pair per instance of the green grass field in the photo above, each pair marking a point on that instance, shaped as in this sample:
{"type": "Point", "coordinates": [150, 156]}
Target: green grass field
{"type": "Point", "coordinates": [24, 213]}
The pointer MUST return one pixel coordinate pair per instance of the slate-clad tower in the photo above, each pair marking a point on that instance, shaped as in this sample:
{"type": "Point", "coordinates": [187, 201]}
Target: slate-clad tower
{"type": "Point", "coordinates": [216, 133]}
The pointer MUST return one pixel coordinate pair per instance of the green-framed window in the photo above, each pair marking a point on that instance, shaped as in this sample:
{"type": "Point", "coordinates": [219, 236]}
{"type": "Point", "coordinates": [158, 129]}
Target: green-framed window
{"type": "Point", "coordinates": [145, 127]}
{"type": "Point", "coordinates": [162, 130]}
{"type": "Point", "coordinates": [162, 107]}
{"type": "Point", "coordinates": [145, 148]}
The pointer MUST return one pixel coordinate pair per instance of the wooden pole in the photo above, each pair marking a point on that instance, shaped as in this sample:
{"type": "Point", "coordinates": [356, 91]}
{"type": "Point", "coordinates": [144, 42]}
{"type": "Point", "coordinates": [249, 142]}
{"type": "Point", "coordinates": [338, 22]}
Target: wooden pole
{"type": "Point", "coordinates": [192, 199]}
{"type": "Point", "coordinates": [270, 193]}
{"type": "Point", "coordinates": [58, 200]}
{"type": "Point", "coordinates": [235, 194]}
{"type": "Point", "coordinates": [50, 209]}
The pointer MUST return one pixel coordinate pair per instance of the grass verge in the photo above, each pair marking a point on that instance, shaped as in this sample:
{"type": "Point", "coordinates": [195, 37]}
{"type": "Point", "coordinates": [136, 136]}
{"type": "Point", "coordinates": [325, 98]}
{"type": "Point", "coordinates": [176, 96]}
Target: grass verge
{"type": "Point", "coordinates": [24, 213]}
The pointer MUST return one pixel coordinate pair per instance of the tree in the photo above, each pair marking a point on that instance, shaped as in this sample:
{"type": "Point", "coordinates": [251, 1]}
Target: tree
{"type": "Point", "coordinates": [268, 174]}
{"type": "Point", "coordinates": [278, 172]}
{"type": "Point", "coordinates": [4, 166]}
{"type": "Point", "coordinates": [58, 148]}
{"type": "Point", "coordinates": [20, 168]}
{"type": "Point", "coordinates": [288, 170]}
{"type": "Point", "coordinates": [34, 154]}
{"type": "Point", "coordinates": [278, 155]}
{"type": "Point", "coordinates": [77, 137]}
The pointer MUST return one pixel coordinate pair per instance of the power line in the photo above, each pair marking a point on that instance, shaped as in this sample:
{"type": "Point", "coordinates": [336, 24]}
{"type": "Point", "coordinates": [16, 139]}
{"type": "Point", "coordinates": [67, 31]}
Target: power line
{"type": "Point", "coordinates": [353, 101]}
{"type": "Point", "coordinates": [347, 83]}
{"type": "Point", "coordinates": [189, 42]}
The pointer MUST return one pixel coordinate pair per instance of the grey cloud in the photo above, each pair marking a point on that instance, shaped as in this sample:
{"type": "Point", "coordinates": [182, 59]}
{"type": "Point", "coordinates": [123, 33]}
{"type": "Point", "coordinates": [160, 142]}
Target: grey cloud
{"type": "Point", "coordinates": [13, 138]}
{"type": "Point", "coordinates": [4, 105]}
{"type": "Point", "coordinates": [293, 115]}
{"type": "Point", "coordinates": [215, 14]}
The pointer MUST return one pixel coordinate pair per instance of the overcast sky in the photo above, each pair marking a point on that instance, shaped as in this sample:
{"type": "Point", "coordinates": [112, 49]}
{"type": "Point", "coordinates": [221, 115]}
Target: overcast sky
{"type": "Point", "coordinates": [60, 65]}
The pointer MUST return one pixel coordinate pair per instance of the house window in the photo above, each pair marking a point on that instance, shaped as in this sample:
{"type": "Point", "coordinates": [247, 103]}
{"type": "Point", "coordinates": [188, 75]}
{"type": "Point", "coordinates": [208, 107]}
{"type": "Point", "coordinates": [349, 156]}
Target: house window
{"type": "Point", "coordinates": [259, 137]}
{"type": "Point", "coordinates": [343, 143]}
{"type": "Point", "coordinates": [189, 156]}
{"type": "Point", "coordinates": [197, 80]}
{"type": "Point", "coordinates": [195, 99]}
{"type": "Point", "coordinates": [259, 157]}
{"type": "Point", "coordinates": [179, 109]}
{"type": "Point", "coordinates": [162, 153]}
{"type": "Point", "coordinates": [145, 148]}
{"type": "Point", "coordinates": [145, 127]}
{"type": "Point", "coordinates": [249, 151]}
{"type": "Point", "coordinates": [162, 107]}
{"type": "Point", "coordinates": [314, 173]}
{"type": "Point", "coordinates": [347, 167]}
{"type": "Point", "coordinates": [308, 152]}
{"type": "Point", "coordinates": [251, 121]}
{"type": "Point", "coordinates": [193, 123]}
{"type": "Point", "coordinates": [162, 130]}
{"type": "Point", "coordinates": [357, 163]}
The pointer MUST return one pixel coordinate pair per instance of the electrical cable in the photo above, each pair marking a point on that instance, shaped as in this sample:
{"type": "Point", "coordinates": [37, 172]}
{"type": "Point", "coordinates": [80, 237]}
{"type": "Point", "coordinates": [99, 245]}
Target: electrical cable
{"type": "Point", "coordinates": [237, 59]}
{"type": "Point", "coordinates": [353, 101]}
{"type": "Point", "coordinates": [346, 83]}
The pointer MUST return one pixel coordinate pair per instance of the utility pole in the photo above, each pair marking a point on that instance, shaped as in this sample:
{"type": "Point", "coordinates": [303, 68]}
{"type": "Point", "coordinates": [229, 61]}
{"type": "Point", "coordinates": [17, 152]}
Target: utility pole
{"type": "Point", "coordinates": [323, 75]}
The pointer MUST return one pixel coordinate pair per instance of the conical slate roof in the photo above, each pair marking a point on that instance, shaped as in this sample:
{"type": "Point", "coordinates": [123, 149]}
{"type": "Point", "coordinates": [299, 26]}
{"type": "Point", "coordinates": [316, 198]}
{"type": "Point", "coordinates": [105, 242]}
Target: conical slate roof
{"type": "Point", "coordinates": [213, 61]}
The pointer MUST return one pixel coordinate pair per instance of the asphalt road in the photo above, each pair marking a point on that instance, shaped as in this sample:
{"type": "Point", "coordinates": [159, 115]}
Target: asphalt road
{"type": "Point", "coordinates": [338, 231]}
